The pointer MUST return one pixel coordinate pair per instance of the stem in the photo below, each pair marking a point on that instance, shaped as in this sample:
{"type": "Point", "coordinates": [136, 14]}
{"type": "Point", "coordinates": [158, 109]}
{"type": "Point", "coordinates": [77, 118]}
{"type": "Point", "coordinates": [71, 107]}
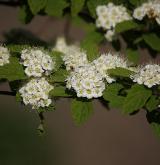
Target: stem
{"type": "Point", "coordinates": [8, 93]}
{"type": "Point", "coordinates": [40, 128]}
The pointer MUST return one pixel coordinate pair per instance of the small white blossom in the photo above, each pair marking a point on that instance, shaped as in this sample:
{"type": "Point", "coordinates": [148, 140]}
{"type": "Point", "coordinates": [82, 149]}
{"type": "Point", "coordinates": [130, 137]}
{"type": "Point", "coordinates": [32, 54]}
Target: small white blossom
{"type": "Point", "coordinates": [148, 75]}
{"type": "Point", "coordinates": [86, 81]}
{"type": "Point", "coordinates": [151, 9]}
{"type": "Point", "coordinates": [37, 62]}
{"type": "Point", "coordinates": [109, 61]}
{"type": "Point", "coordinates": [109, 35]}
{"type": "Point", "coordinates": [36, 93]}
{"type": "Point", "coordinates": [73, 56]}
{"type": "Point", "coordinates": [4, 56]}
{"type": "Point", "coordinates": [109, 16]}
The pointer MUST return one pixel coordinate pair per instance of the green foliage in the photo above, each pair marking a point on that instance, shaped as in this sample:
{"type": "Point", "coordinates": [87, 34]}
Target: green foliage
{"type": "Point", "coordinates": [76, 6]}
{"type": "Point", "coordinates": [152, 103]}
{"type": "Point", "coordinates": [81, 110]}
{"type": "Point", "coordinates": [36, 5]}
{"type": "Point", "coordinates": [25, 15]}
{"type": "Point", "coordinates": [152, 40]}
{"type": "Point", "coordinates": [133, 55]}
{"type": "Point", "coordinates": [111, 94]}
{"type": "Point", "coordinates": [90, 44]}
{"type": "Point", "coordinates": [136, 98]}
{"type": "Point", "coordinates": [57, 57]}
{"type": "Point", "coordinates": [80, 22]}
{"type": "Point", "coordinates": [120, 72]}
{"type": "Point", "coordinates": [60, 91]}
{"type": "Point", "coordinates": [59, 76]}
{"type": "Point", "coordinates": [126, 25]}
{"type": "Point", "coordinates": [55, 7]}
{"type": "Point", "coordinates": [12, 71]}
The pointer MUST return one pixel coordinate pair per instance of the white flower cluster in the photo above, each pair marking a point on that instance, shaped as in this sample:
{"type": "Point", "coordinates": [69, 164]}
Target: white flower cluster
{"type": "Point", "coordinates": [4, 56]}
{"type": "Point", "coordinates": [37, 62]}
{"type": "Point", "coordinates": [36, 92]}
{"type": "Point", "coordinates": [86, 81]}
{"type": "Point", "coordinates": [73, 56]}
{"type": "Point", "coordinates": [109, 16]}
{"type": "Point", "coordinates": [109, 61]}
{"type": "Point", "coordinates": [148, 75]}
{"type": "Point", "coordinates": [150, 9]}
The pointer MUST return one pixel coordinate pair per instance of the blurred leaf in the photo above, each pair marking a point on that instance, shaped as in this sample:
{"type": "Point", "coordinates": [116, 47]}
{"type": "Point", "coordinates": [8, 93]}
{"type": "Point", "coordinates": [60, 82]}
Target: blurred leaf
{"type": "Point", "coordinates": [12, 71]}
{"type": "Point", "coordinates": [57, 57]}
{"type": "Point", "coordinates": [125, 26]}
{"type": "Point", "coordinates": [76, 6]}
{"type": "Point", "coordinates": [36, 5]}
{"type": "Point", "coordinates": [152, 103]}
{"type": "Point", "coordinates": [120, 72]}
{"type": "Point", "coordinates": [90, 44]}
{"type": "Point", "coordinates": [92, 4]}
{"type": "Point", "coordinates": [133, 55]}
{"type": "Point", "coordinates": [111, 94]}
{"type": "Point", "coordinates": [60, 91]}
{"type": "Point", "coordinates": [81, 110]}
{"type": "Point", "coordinates": [80, 22]}
{"type": "Point", "coordinates": [55, 7]}
{"type": "Point", "coordinates": [154, 120]}
{"type": "Point", "coordinates": [152, 40]}
{"type": "Point", "coordinates": [59, 76]}
{"type": "Point", "coordinates": [136, 98]}
{"type": "Point", "coordinates": [24, 14]}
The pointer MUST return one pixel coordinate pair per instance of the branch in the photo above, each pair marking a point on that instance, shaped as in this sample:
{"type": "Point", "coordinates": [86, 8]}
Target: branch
{"type": "Point", "coordinates": [8, 93]}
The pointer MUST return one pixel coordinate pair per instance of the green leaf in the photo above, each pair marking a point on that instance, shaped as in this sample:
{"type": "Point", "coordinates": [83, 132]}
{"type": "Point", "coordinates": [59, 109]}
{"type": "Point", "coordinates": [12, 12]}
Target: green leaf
{"type": "Point", "coordinates": [55, 7]}
{"type": "Point", "coordinates": [81, 110]}
{"type": "Point", "coordinates": [92, 5]}
{"type": "Point", "coordinates": [90, 44]}
{"type": "Point", "coordinates": [152, 40]}
{"type": "Point", "coordinates": [57, 57]}
{"type": "Point", "coordinates": [152, 103]}
{"type": "Point", "coordinates": [12, 71]}
{"type": "Point", "coordinates": [119, 72]}
{"type": "Point", "coordinates": [59, 76]}
{"type": "Point", "coordinates": [111, 94]}
{"type": "Point", "coordinates": [76, 6]}
{"type": "Point", "coordinates": [60, 91]}
{"type": "Point", "coordinates": [156, 128]}
{"type": "Point", "coordinates": [136, 98]}
{"type": "Point", "coordinates": [125, 26]}
{"type": "Point", "coordinates": [24, 14]}
{"type": "Point", "coordinates": [36, 5]}
{"type": "Point", "coordinates": [80, 22]}
{"type": "Point", "coordinates": [154, 120]}
{"type": "Point", "coordinates": [133, 56]}
{"type": "Point", "coordinates": [137, 2]}
{"type": "Point", "coordinates": [17, 48]}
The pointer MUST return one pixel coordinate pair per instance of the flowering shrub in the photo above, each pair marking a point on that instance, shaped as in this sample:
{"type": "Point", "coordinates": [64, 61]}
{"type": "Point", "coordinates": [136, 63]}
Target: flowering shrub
{"type": "Point", "coordinates": [79, 70]}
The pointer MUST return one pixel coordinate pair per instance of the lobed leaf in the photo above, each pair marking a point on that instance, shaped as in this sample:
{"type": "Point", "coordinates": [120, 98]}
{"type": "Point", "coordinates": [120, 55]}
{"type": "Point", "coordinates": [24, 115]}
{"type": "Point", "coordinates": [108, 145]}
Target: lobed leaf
{"type": "Point", "coordinates": [81, 110]}
{"type": "Point", "coordinates": [136, 98]}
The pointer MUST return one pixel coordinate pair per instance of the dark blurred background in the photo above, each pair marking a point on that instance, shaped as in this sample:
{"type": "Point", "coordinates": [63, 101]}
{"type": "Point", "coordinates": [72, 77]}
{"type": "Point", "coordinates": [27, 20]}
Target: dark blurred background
{"type": "Point", "coordinates": [108, 138]}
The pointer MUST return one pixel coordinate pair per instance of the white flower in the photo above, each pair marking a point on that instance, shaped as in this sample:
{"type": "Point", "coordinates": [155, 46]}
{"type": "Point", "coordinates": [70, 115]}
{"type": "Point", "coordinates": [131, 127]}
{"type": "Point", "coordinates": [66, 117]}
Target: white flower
{"type": "Point", "coordinates": [109, 61]}
{"type": "Point", "coordinates": [4, 56]}
{"type": "Point", "coordinates": [37, 62]}
{"type": "Point", "coordinates": [151, 9]}
{"type": "Point", "coordinates": [73, 56]}
{"type": "Point", "coordinates": [148, 75]}
{"type": "Point", "coordinates": [109, 35]}
{"type": "Point", "coordinates": [86, 81]}
{"type": "Point", "coordinates": [36, 93]}
{"type": "Point", "coordinates": [109, 16]}
{"type": "Point", "coordinates": [60, 45]}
